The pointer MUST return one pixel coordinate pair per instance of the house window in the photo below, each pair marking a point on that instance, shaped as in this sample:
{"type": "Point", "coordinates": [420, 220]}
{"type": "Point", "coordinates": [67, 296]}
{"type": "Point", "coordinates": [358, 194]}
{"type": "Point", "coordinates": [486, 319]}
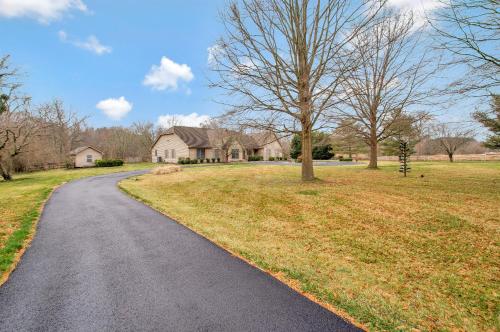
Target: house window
{"type": "Point", "coordinates": [235, 154]}
{"type": "Point", "coordinates": [156, 153]}
{"type": "Point", "coordinates": [89, 158]}
{"type": "Point", "coordinates": [166, 154]}
{"type": "Point", "coordinates": [172, 154]}
{"type": "Point", "coordinates": [200, 153]}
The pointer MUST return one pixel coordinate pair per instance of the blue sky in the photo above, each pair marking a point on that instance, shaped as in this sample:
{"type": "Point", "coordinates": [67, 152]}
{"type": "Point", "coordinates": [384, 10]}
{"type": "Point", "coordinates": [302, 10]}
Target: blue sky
{"type": "Point", "coordinates": [56, 59]}
{"type": "Point", "coordinates": [91, 53]}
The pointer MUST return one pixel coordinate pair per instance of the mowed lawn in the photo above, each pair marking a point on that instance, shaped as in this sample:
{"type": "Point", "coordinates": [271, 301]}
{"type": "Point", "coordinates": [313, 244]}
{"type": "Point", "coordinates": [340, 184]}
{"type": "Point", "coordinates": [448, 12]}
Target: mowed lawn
{"type": "Point", "coordinates": [392, 253]}
{"type": "Point", "coordinates": [21, 200]}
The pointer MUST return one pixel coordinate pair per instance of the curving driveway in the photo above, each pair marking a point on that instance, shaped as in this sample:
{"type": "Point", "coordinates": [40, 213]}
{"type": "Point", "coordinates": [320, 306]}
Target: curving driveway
{"type": "Point", "coordinates": [102, 261]}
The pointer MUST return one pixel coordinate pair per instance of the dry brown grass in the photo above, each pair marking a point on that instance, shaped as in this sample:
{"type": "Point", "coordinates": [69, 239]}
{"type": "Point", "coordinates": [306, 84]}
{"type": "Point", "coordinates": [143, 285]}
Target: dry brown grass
{"type": "Point", "coordinates": [394, 253]}
{"type": "Point", "coordinates": [162, 170]}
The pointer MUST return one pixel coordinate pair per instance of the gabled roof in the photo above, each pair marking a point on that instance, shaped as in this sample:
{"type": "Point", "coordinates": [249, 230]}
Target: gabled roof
{"type": "Point", "coordinates": [192, 136]}
{"type": "Point", "coordinates": [211, 138]}
{"type": "Point", "coordinates": [76, 151]}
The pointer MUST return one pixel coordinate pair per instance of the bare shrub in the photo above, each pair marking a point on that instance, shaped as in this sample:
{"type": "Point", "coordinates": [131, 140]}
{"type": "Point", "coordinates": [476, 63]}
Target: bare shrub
{"type": "Point", "coordinates": [166, 170]}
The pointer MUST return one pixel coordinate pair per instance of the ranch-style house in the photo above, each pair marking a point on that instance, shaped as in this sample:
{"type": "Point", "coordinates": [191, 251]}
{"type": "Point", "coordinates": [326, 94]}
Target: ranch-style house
{"type": "Point", "coordinates": [226, 145]}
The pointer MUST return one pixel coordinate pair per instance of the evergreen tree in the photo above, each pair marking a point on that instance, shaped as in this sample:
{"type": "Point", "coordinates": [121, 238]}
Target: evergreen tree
{"type": "Point", "coordinates": [491, 120]}
{"type": "Point", "coordinates": [404, 157]}
{"type": "Point", "coordinates": [295, 147]}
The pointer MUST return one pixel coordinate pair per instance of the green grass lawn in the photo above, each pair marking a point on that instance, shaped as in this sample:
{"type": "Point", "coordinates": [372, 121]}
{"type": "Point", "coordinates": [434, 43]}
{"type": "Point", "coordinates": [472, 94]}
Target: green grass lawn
{"type": "Point", "coordinates": [21, 200]}
{"type": "Point", "coordinates": [392, 253]}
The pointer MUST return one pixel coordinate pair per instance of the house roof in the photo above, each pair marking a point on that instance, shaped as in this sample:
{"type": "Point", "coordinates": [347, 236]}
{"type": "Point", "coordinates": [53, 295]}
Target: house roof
{"type": "Point", "coordinates": [76, 151]}
{"type": "Point", "coordinates": [211, 138]}
{"type": "Point", "coordinates": [192, 136]}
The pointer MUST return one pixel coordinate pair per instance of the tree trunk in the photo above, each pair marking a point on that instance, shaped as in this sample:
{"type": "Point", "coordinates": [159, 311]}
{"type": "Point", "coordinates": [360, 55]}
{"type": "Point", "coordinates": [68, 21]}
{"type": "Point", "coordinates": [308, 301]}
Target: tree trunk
{"type": "Point", "coordinates": [373, 141]}
{"type": "Point", "coordinates": [4, 171]}
{"type": "Point", "coordinates": [373, 154]}
{"type": "Point", "coordinates": [450, 156]}
{"type": "Point", "coordinates": [307, 161]}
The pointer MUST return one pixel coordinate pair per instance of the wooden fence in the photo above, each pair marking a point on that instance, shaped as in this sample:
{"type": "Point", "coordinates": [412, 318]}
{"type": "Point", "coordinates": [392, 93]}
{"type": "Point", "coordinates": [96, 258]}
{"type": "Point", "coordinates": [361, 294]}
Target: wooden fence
{"type": "Point", "coordinates": [490, 156]}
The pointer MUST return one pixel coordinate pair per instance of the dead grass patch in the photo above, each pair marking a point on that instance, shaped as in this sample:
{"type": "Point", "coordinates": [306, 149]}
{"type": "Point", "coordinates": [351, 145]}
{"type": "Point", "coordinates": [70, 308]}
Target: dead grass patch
{"type": "Point", "coordinates": [162, 170]}
{"type": "Point", "coordinates": [394, 253]}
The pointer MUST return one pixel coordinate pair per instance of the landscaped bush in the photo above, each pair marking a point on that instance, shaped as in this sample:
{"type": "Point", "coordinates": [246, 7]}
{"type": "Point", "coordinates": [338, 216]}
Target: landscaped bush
{"type": "Point", "coordinates": [201, 161]}
{"type": "Point", "coordinates": [194, 161]}
{"type": "Point", "coordinates": [166, 169]}
{"type": "Point", "coordinates": [109, 162]}
{"type": "Point", "coordinates": [218, 160]}
{"type": "Point", "coordinates": [271, 158]}
{"type": "Point", "coordinates": [255, 158]}
{"type": "Point", "coordinates": [323, 152]}
{"type": "Point", "coordinates": [213, 160]}
{"type": "Point", "coordinates": [208, 160]}
{"type": "Point", "coordinates": [345, 159]}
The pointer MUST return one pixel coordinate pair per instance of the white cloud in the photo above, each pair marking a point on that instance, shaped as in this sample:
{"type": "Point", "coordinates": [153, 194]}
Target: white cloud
{"type": "Point", "coordinates": [114, 108]}
{"type": "Point", "coordinates": [167, 75]}
{"type": "Point", "coordinates": [63, 36]}
{"type": "Point", "coordinates": [190, 120]}
{"type": "Point", "coordinates": [213, 52]}
{"type": "Point", "coordinates": [42, 10]}
{"type": "Point", "coordinates": [420, 8]}
{"type": "Point", "coordinates": [91, 44]}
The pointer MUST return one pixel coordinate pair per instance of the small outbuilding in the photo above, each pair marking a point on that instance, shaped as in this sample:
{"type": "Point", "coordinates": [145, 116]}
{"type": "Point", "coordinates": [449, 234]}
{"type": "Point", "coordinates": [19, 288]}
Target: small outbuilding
{"type": "Point", "coordinates": [85, 156]}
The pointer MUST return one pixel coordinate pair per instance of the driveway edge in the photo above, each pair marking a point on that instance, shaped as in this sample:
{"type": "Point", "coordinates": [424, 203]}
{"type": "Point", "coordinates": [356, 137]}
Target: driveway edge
{"type": "Point", "coordinates": [290, 283]}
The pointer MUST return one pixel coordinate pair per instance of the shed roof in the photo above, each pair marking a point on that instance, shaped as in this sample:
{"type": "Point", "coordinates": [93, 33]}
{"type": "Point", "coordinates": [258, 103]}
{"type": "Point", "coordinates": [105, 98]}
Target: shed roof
{"type": "Point", "coordinates": [76, 151]}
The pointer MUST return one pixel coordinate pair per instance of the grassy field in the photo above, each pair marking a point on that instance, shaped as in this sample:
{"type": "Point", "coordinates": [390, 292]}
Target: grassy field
{"type": "Point", "coordinates": [393, 253]}
{"type": "Point", "coordinates": [21, 200]}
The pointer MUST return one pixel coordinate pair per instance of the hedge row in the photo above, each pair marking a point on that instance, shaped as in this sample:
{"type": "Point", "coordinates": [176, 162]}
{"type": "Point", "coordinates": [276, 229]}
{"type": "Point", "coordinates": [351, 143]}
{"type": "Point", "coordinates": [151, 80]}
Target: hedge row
{"type": "Point", "coordinates": [184, 161]}
{"type": "Point", "coordinates": [108, 162]}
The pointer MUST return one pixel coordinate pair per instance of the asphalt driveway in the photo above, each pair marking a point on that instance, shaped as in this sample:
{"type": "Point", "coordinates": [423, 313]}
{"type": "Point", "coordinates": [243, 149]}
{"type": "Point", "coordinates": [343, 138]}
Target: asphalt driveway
{"type": "Point", "coordinates": [102, 261]}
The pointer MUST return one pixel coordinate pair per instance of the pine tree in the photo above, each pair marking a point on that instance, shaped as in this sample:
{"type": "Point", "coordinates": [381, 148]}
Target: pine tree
{"type": "Point", "coordinates": [404, 157]}
{"type": "Point", "coordinates": [491, 122]}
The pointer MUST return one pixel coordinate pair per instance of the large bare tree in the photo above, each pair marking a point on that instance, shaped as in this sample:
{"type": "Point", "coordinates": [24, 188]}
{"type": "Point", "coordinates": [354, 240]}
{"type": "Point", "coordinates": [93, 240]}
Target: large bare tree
{"type": "Point", "coordinates": [470, 31]}
{"type": "Point", "coordinates": [18, 124]}
{"type": "Point", "coordinates": [64, 129]}
{"type": "Point", "coordinates": [281, 63]}
{"type": "Point", "coordinates": [146, 134]}
{"type": "Point", "coordinates": [392, 78]}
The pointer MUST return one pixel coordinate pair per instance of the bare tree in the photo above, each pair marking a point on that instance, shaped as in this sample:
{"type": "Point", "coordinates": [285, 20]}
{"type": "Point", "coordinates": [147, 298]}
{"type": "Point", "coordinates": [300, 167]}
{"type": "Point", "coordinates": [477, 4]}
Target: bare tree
{"type": "Point", "coordinates": [392, 78]}
{"type": "Point", "coordinates": [146, 135]}
{"type": "Point", "coordinates": [282, 61]}
{"type": "Point", "coordinates": [64, 128]}
{"type": "Point", "coordinates": [18, 124]}
{"type": "Point", "coordinates": [170, 121]}
{"type": "Point", "coordinates": [408, 129]}
{"type": "Point", "coordinates": [470, 30]}
{"type": "Point", "coordinates": [345, 139]}
{"type": "Point", "coordinates": [451, 138]}
{"type": "Point", "coordinates": [222, 136]}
